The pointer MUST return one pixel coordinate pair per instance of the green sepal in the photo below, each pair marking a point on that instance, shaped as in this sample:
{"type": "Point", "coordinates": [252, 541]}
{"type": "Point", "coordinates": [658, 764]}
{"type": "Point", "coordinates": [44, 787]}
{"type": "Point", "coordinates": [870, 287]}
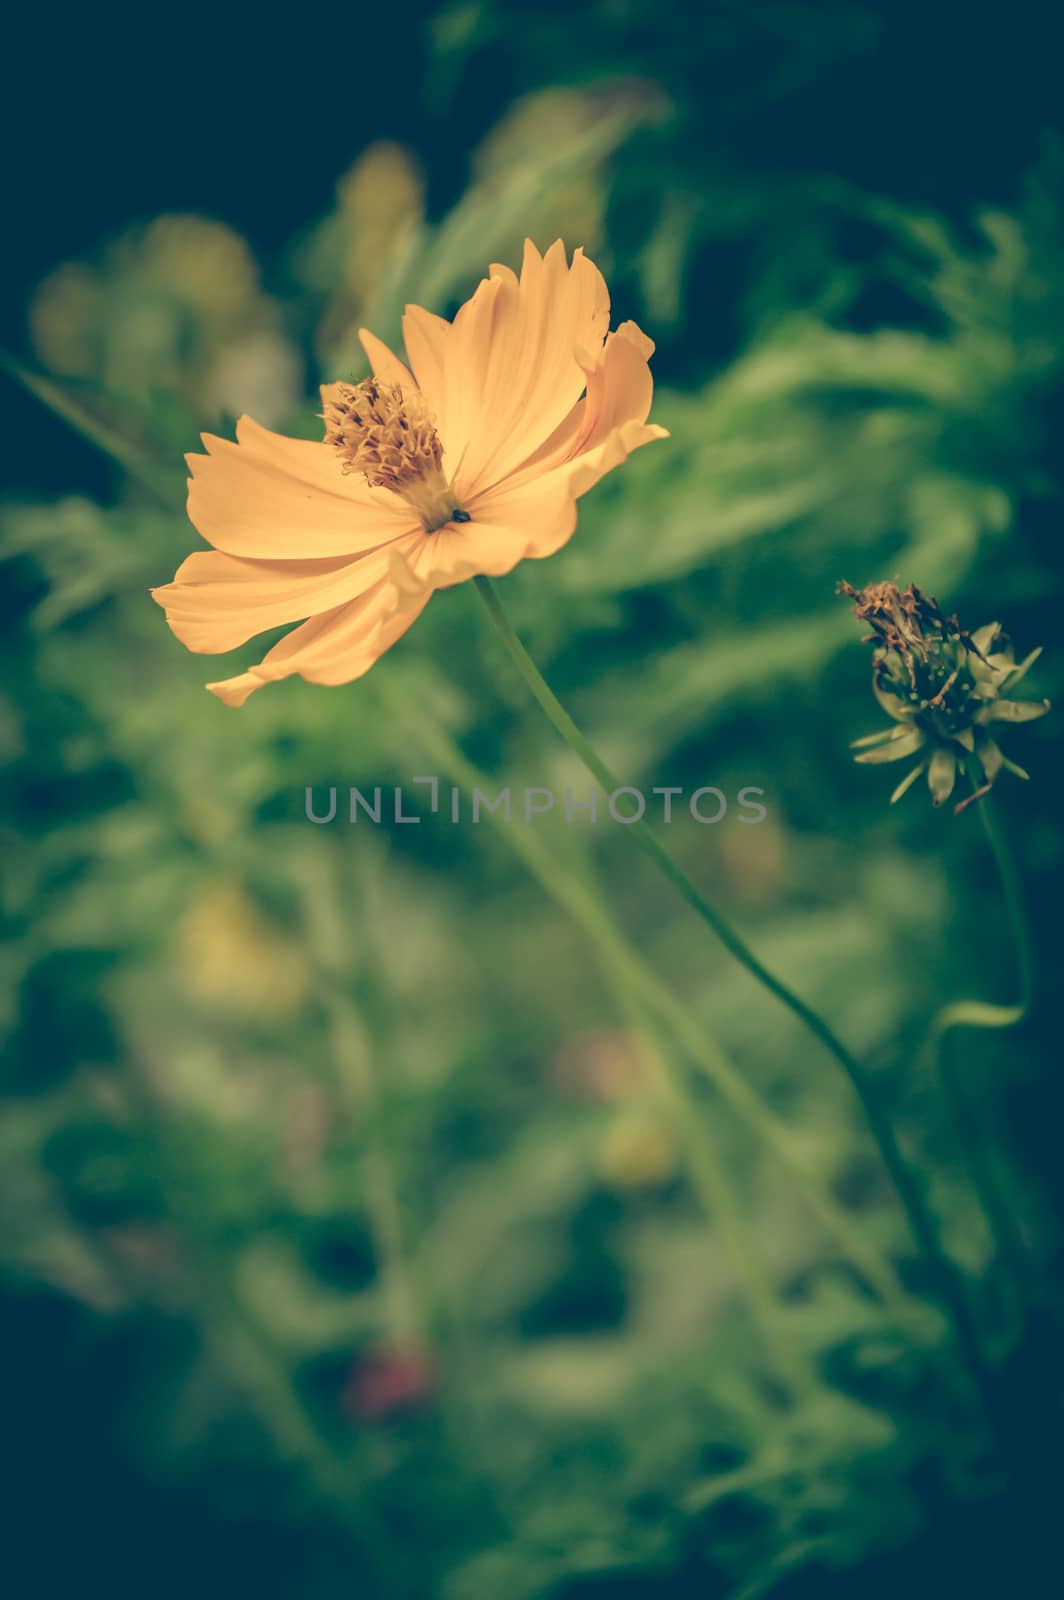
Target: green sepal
{"type": "Point", "coordinates": [1017, 710]}
{"type": "Point", "coordinates": [942, 774]}
{"type": "Point", "coordinates": [907, 782]}
{"type": "Point", "coordinates": [907, 744]}
{"type": "Point", "coordinates": [984, 637]}
{"type": "Point", "coordinates": [1018, 672]}
{"type": "Point", "coordinates": [893, 704]}
{"type": "Point", "coordinates": [989, 756]}
{"type": "Point", "coordinates": [870, 739]}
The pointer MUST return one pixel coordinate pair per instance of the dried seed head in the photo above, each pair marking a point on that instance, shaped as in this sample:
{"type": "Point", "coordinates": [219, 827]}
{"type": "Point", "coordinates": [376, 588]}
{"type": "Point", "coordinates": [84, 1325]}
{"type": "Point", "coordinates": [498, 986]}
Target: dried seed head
{"type": "Point", "coordinates": [942, 687]}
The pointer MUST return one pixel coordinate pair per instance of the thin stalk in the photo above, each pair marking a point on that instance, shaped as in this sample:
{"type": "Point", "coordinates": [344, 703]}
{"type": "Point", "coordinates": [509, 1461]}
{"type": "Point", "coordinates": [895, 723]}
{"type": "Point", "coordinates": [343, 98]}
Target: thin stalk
{"type": "Point", "coordinates": [1012, 893]}
{"type": "Point", "coordinates": [737, 1091]}
{"type": "Point", "coordinates": [981, 1013]}
{"type": "Point", "coordinates": [1005, 1230]}
{"type": "Point", "coordinates": [568, 890]}
{"type": "Point", "coordinates": [921, 1223]}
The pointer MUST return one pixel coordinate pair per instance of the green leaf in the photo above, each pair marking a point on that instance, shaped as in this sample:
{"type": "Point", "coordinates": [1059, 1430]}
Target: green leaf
{"type": "Point", "coordinates": [161, 478]}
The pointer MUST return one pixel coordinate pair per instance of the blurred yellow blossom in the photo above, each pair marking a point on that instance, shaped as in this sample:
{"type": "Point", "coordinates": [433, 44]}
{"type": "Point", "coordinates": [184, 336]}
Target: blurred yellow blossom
{"type": "Point", "coordinates": [170, 307]}
{"type": "Point", "coordinates": [381, 199]}
{"type": "Point", "coordinates": [233, 960]}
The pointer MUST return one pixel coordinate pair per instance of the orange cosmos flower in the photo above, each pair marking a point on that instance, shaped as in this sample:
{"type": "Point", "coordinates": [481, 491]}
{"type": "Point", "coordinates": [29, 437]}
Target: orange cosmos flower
{"type": "Point", "coordinates": [466, 461]}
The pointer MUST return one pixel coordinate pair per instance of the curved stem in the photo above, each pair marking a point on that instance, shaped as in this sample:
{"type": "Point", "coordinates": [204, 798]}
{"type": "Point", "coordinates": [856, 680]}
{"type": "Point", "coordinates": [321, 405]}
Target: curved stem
{"type": "Point", "coordinates": [1013, 896]}
{"type": "Point", "coordinates": [1007, 1235]}
{"type": "Point", "coordinates": [734, 1087]}
{"type": "Point", "coordinates": [981, 1013]}
{"type": "Point", "coordinates": [921, 1224]}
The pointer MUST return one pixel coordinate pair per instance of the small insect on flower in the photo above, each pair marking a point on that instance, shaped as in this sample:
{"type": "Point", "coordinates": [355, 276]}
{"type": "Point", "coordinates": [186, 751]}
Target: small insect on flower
{"type": "Point", "coordinates": [944, 689]}
{"type": "Point", "coordinates": [465, 462]}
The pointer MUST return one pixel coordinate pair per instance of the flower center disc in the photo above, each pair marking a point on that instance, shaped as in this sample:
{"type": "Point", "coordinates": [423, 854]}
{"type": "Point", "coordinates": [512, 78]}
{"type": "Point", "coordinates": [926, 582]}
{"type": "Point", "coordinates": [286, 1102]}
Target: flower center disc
{"type": "Point", "coordinates": [388, 435]}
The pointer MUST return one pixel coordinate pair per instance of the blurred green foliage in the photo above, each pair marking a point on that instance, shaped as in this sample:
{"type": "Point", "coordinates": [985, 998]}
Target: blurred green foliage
{"type": "Point", "coordinates": [346, 1131]}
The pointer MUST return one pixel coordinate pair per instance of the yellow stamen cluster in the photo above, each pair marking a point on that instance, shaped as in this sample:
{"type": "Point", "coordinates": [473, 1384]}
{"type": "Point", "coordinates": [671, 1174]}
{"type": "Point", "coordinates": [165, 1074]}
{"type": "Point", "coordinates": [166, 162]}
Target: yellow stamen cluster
{"type": "Point", "coordinates": [387, 434]}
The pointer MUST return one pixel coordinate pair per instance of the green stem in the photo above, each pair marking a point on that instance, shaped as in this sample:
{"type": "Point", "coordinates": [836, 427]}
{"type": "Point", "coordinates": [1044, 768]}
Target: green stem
{"type": "Point", "coordinates": [917, 1213]}
{"type": "Point", "coordinates": [735, 1088]}
{"type": "Point", "coordinates": [1014, 906]}
{"type": "Point", "coordinates": [568, 891]}
{"type": "Point", "coordinates": [981, 1013]}
{"type": "Point", "coordinates": [1007, 1235]}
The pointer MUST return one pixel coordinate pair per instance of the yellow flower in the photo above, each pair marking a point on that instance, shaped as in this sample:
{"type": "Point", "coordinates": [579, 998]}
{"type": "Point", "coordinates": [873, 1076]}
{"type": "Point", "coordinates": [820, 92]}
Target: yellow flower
{"type": "Point", "coordinates": [467, 461]}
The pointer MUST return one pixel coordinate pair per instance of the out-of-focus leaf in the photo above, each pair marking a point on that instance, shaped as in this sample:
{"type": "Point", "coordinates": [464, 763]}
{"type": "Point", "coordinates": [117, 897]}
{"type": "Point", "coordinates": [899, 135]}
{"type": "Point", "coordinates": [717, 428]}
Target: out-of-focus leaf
{"type": "Point", "coordinates": [93, 413]}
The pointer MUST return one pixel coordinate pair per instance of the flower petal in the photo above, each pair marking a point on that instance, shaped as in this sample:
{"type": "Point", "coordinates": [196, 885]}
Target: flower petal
{"type": "Point", "coordinates": [464, 427]}
{"type": "Point", "coordinates": [619, 390]}
{"type": "Point", "coordinates": [543, 324]}
{"type": "Point", "coordinates": [619, 385]}
{"type": "Point", "coordinates": [217, 602]}
{"type": "Point", "coordinates": [333, 648]}
{"type": "Point", "coordinates": [505, 530]}
{"type": "Point", "coordinates": [386, 366]}
{"type": "Point", "coordinates": [310, 461]}
{"type": "Point", "coordinates": [270, 498]}
{"type": "Point", "coordinates": [426, 336]}
{"type": "Point", "coordinates": [585, 470]}
{"type": "Point", "coordinates": [528, 520]}
{"type": "Point", "coordinates": [502, 377]}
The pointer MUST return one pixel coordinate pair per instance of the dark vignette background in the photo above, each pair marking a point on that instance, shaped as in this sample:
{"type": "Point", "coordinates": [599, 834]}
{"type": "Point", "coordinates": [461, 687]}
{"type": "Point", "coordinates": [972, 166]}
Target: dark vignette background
{"type": "Point", "coordinates": [235, 112]}
{"type": "Point", "coordinates": [227, 112]}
